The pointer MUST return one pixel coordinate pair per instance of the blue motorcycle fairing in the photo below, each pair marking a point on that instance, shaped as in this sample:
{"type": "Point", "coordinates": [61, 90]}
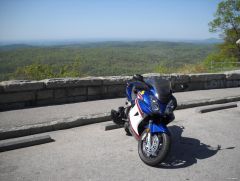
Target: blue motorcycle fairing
{"type": "Point", "coordinates": [158, 128]}
{"type": "Point", "coordinates": [144, 107]}
{"type": "Point", "coordinates": [129, 90]}
{"type": "Point", "coordinates": [145, 104]}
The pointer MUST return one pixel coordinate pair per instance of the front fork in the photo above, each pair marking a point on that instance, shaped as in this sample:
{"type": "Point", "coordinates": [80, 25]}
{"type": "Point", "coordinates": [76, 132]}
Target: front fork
{"type": "Point", "coordinates": [149, 136]}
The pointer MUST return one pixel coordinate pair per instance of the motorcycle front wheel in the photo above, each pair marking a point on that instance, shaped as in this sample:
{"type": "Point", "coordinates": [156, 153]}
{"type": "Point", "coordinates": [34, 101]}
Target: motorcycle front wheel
{"type": "Point", "coordinates": [158, 151]}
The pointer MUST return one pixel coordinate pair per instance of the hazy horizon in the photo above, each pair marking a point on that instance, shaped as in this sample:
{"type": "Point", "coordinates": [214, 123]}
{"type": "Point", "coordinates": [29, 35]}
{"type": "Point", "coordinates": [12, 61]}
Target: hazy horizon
{"type": "Point", "coordinates": [83, 41]}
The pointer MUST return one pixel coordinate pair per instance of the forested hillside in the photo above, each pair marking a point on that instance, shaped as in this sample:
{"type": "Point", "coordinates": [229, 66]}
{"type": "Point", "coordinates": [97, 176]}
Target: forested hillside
{"type": "Point", "coordinates": [99, 59]}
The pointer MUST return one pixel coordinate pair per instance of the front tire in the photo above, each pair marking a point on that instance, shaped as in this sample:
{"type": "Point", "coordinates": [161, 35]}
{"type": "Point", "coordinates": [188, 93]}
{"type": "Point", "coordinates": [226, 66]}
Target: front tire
{"type": "Point", "coordinates": [164, 148]}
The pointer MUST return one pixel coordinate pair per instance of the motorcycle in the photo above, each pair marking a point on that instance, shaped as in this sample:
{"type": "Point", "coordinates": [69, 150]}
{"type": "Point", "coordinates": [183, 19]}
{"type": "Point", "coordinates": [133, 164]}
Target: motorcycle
{"type": "Point", "coordinates": [149, 108]}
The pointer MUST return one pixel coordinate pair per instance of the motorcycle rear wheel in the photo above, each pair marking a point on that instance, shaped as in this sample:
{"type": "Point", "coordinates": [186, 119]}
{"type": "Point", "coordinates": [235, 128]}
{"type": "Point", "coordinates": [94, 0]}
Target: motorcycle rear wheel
{"type": "Point", "coordinates": [162, 153]}
{"type": "Point", "coordinates": [126, 128]}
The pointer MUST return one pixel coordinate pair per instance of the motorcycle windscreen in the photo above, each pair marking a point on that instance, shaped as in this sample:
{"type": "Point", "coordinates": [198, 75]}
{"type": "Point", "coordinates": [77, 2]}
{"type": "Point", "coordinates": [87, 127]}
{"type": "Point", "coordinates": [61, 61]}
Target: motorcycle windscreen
{"type": "Point", "coordinates": [162, 88]}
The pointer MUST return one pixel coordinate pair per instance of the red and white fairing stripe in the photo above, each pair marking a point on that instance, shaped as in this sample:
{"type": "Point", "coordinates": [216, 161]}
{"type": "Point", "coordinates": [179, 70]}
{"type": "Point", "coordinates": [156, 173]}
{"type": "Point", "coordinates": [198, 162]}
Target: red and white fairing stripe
{"type": "Point", "coordinates": [139, 108]}
{"type": "Point", "coordinates": [139, 96]}
{"type": "Point", "coordinates": [135, 119]}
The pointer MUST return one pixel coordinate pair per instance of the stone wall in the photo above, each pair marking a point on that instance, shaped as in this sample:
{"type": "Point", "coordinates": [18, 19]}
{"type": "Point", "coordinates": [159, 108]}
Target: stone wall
{"type": "Point", "coordinates": [19, 94]}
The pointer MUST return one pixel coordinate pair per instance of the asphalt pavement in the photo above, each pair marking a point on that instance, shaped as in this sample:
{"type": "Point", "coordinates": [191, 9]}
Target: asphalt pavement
{"type": "Point", "coordinates": [204, 147]}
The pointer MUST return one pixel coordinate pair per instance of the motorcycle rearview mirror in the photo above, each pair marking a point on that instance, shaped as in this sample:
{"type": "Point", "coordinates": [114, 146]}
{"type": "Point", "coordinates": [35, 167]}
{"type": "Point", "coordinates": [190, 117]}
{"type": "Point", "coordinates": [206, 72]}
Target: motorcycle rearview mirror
{"type": "Point", "coordinates": [179, 87]}
{"type": "Point", "coordinates": [183, 87]}
{"type": "Point", "coordinates": [138, 77]}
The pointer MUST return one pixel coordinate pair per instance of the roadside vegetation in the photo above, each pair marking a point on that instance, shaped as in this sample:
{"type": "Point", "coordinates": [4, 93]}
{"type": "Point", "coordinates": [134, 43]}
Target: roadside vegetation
{"type": "Point", "coordinates": [226, 22]}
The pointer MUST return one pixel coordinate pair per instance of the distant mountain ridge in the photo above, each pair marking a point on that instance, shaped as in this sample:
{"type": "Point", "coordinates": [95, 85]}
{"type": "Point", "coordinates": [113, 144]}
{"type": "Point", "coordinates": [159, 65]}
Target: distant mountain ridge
{"type": "Point", "coordinates": [212, 40]}
{"type": "Point", "coordinates": [112, 44]}
{"type": "Point", "coordinates": [14, 46]}
{"type": "Point", "coordinates": [84, 42]}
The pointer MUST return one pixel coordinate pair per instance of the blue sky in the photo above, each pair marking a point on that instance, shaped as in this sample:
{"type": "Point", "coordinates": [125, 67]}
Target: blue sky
{"type": "Point", "coordinates": [27, 20]}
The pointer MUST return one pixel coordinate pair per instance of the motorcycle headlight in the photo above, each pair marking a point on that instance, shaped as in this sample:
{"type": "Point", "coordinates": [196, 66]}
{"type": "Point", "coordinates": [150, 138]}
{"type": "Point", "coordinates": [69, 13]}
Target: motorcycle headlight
{"type": "Point", "coordinates": [154, 104]}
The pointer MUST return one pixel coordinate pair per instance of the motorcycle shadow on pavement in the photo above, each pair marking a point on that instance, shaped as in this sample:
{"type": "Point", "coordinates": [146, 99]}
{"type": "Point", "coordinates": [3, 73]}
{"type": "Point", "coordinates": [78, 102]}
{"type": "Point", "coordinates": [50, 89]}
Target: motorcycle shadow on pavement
{"type": "Point", "coordinates": [185, 151]}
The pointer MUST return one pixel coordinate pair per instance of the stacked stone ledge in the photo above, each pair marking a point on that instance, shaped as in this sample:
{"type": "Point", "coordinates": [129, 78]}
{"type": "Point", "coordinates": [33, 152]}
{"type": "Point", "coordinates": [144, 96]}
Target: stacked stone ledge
{"type": "Point", "coordinates": [22, 93]}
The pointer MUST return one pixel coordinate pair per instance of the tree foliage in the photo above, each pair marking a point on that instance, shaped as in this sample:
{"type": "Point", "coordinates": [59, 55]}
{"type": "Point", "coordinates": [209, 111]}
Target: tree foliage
{"type": "Point", "coordinates": [35, 71]}
{"type": "Point", "coordinates": [184, 69]}
{"type": "Point", "coordinates": [227, 23]}
{"type": "Point", "coordinates": [38, 71]}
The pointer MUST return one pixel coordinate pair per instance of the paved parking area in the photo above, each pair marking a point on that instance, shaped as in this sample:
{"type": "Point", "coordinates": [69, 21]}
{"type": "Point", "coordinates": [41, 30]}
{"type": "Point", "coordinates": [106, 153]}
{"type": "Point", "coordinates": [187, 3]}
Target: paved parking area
{"type": "Point", "coordinates": [205, 147]}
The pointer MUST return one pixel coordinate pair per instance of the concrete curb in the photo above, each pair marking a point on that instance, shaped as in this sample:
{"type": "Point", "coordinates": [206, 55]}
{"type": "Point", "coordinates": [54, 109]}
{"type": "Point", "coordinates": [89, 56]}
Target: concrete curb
{"type": "Point", "coordinates": [206, 102]}
{"type": "Point", "coordinates": [53, 126]}
{"type": "Point", "coordinates": [111, 126]}
{"type": "Point", "coordinates": [24, 142]}
{"type": "Point", "coordinates": [207, 109]}
{"type": "Point", "coordinates": [91, 119]}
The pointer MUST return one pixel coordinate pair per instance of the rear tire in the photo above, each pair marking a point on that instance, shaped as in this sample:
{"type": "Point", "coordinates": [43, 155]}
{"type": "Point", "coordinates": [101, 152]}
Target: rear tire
{"type": "Point", "coordinates": [162, 154]}
{"type": "Point", "coordinates": [126, 128]}
{"type": "Point", "coordinates": [126, 124]}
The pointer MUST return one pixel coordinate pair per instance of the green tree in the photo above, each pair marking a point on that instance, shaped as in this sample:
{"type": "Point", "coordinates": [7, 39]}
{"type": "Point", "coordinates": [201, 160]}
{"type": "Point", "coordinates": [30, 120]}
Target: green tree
{"type": "Point", "coordinates": [162, 69]}
{"type": "Point", "coordinates": [70, 70]}
{"type": "Point", "coordinates": [38, 71]}
{"type": "Point", "coordinates": [227, 23]}
{"type": "Point", "coordinates": [35, 71]}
